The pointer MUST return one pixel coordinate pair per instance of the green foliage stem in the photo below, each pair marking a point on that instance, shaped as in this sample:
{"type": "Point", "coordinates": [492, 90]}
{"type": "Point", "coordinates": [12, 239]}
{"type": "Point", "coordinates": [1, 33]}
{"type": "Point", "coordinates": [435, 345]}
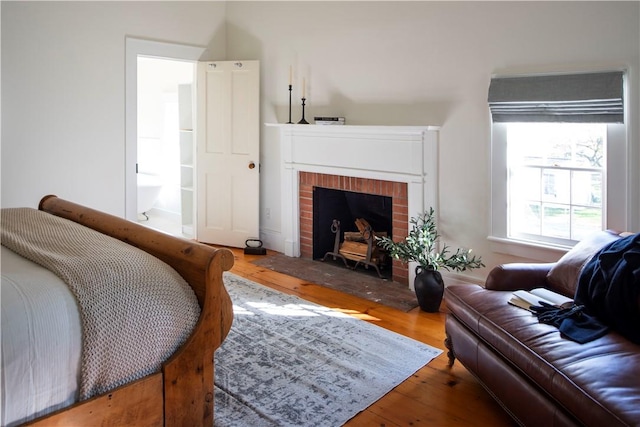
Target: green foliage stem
{"type": "Point", "coordinates": [420, 246]}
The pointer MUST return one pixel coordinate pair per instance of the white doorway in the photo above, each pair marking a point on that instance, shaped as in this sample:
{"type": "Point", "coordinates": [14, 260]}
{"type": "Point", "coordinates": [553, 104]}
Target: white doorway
{"type": "Point", "coordinates": [146, 49]}
{"type": "Point", "coordinates": [159, 199]}
{"type": "Point", "coordinates": [232, 213]}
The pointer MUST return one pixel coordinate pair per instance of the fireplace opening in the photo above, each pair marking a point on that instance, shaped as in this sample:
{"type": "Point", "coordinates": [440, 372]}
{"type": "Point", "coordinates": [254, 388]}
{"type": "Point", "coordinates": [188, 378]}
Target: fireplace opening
{"type": "Point", "coordinates": [347, 207]}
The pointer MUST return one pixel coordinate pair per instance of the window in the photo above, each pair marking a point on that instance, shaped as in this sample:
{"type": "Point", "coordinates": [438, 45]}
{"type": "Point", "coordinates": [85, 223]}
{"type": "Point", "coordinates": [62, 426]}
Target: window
{"type": "Point", "coordinates": [554, 182]}
{"type": "Point", "coordinates": [558, 158]}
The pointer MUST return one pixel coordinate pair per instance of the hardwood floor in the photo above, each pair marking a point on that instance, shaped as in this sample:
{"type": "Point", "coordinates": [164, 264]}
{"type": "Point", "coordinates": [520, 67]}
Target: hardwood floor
{"type": "Point", "coordinates": [435, 396]}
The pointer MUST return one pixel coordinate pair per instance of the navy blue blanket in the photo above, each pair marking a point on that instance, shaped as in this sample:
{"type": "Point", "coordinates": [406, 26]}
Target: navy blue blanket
{"type": "Point", "coordinates": [609, 286]}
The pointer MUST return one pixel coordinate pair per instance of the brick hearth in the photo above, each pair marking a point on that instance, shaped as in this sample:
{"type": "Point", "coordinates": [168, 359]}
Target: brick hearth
{"type": "Point", "coordinates": [396, 190]}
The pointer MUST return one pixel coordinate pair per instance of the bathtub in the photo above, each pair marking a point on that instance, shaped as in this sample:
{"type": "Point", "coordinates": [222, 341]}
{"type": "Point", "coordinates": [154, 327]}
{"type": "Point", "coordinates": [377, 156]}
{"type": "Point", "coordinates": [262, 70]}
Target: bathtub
{"type": "Point", "coordinates": [149, 187]}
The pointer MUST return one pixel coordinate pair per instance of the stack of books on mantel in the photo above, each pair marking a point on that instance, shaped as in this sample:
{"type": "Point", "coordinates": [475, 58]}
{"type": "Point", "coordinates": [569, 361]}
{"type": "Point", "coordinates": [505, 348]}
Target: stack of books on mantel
{"type": "Point", "coordinates": [324, 120]}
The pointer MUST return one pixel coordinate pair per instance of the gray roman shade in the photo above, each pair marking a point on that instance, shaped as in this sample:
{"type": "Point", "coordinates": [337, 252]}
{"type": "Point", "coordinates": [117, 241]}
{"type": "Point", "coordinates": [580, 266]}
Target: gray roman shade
{"type": "Point", "coordinates": [590, 98]}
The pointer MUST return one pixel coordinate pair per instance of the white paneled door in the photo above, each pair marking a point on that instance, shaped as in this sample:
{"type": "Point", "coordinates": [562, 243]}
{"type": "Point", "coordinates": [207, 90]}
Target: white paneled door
{"type": "Point", "coordinates": [228, 150]}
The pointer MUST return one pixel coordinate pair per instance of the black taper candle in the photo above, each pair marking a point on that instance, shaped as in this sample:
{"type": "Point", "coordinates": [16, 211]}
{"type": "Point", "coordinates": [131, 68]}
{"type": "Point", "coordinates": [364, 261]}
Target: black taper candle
{"type": "Point", "coordinates": [302, 120]}
{"type": "Point", "coordinates": [290, 88]}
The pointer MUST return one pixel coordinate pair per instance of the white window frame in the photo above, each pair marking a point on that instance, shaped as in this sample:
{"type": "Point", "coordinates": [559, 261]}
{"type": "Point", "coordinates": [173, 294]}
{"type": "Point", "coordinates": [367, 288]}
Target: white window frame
{"type": "Point", "coordinates": [615, 181]}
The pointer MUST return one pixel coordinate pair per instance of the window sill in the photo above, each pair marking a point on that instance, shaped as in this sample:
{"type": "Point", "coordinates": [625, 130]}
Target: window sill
{"type": "Point", "coordinates": [526, 249]}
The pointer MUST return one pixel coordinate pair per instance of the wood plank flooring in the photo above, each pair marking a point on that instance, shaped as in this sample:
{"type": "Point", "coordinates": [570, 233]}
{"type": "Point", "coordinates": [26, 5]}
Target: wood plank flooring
{"type": "Point", "coordinates": [435, 396]}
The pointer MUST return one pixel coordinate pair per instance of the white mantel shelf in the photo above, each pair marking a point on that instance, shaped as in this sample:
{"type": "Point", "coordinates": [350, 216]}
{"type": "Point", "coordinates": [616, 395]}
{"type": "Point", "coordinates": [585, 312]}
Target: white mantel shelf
{"type": "Point", "coordinates": [381, 152]}
{"type": "Point", "coordinates": [355, 128]}
{"type": "Point", "coordinates": [392, 153]}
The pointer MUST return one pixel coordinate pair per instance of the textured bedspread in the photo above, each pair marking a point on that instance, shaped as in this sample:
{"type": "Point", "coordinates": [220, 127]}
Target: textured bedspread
{"type": "Point", "coordinates": [135, 310]}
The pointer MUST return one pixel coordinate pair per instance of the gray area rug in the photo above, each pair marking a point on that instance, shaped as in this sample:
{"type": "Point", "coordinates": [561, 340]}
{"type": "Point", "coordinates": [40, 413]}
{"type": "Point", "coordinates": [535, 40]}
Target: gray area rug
{"type": "Point", "coordinates": [332, 274]}
{"type": "Point", "coordinates": [290, 362]}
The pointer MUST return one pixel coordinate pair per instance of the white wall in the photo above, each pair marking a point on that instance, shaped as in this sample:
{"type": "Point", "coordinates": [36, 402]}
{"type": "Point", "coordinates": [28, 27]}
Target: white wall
{"type": "Point", "coordinates": [392, 63]}
{"type": "Point", "coordinates": [63, 99]}
{"type": "Point", "coordinates": [426, 63]}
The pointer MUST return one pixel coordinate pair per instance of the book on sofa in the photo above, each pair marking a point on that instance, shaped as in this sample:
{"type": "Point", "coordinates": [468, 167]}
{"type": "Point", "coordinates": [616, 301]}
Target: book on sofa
{"type": "Point", "coordinates": [525, 299]}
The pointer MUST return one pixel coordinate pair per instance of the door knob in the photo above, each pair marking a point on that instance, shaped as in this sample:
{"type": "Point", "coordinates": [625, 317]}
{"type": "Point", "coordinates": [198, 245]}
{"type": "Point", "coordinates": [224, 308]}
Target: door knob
{"type": "Point", "coordinates": [252, 165]}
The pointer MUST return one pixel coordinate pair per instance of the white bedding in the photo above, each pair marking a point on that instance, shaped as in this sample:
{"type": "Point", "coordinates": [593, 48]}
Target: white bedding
{"type": "Point", "coordinates": [41, 341]}
{"type": "Point", "coordinates": [135, 310]}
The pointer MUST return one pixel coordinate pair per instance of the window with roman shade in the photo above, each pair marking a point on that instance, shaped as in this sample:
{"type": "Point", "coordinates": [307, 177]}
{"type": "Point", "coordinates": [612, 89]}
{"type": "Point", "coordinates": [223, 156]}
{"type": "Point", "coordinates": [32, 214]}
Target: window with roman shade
{"type": "Point", "coordinates": [576, 98]}
{"type": "Point", "coordinates": [558, 160]}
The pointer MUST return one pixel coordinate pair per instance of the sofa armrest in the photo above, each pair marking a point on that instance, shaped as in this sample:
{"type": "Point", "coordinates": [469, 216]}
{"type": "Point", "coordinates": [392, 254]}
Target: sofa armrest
{"type": "Point", "coordinates": [515, 276]}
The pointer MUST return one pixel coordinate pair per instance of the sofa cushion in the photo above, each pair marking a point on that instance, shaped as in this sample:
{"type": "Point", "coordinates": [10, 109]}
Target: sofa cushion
{"type": "Point", "coordinates": [563, 276]}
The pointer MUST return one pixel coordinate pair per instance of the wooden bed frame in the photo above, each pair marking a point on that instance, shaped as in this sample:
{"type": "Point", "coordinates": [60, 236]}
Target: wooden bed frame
{"type": "Point", "coordinates": [182, 393]}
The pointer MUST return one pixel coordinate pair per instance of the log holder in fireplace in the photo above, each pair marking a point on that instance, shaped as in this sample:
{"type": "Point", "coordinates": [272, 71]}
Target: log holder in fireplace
{"type": "Point", "coordinates": [343, 253]}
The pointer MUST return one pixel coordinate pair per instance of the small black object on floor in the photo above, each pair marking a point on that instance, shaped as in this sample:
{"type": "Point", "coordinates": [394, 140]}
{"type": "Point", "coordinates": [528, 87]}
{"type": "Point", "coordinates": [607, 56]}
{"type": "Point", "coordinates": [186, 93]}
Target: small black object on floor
{"type": "Point", "coordinates": [254, 247]}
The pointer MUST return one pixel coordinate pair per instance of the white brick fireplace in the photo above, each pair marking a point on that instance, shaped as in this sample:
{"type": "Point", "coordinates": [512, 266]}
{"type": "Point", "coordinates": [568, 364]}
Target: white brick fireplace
{"type": "Point", "coordinates": [393, 154]}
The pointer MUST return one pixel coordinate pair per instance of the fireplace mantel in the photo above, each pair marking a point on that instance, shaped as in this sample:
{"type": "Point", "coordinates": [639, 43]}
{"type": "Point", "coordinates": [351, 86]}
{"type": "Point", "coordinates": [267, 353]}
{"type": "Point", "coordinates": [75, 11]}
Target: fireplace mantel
{"type": "Point", "coordinates": [391, 153]}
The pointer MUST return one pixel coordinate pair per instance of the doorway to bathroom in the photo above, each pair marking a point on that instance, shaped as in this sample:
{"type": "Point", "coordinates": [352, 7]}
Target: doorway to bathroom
{"type": "Point", "coordinates": [228, 120]}
{"type": "Point", "coordinates": [165, 144]}
{"type": "Point", "coordinates": [152, 149]}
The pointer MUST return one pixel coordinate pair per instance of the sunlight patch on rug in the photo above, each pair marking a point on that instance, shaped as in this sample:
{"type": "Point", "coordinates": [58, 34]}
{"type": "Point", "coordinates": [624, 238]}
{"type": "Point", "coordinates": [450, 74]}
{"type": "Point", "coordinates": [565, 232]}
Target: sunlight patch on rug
{"type": "Point", "coordinates": [290, 362]}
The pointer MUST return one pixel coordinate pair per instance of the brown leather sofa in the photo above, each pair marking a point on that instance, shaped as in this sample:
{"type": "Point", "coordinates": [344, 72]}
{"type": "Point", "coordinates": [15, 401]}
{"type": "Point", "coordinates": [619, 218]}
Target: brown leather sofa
{"type": "Point", "coordinates": [540, 377]}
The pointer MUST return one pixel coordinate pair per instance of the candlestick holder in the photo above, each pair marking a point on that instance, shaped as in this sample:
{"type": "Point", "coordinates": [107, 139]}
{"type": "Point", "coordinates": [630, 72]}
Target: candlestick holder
{"type": "Point", "coordinates": [302, 120]}
{"type": "Point", "coordinates": [289, 122]}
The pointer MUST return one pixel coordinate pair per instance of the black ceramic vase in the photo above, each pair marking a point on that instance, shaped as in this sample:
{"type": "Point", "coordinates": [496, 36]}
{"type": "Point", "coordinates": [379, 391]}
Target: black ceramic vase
{"type": "Point", "coordinates": [429, 288]}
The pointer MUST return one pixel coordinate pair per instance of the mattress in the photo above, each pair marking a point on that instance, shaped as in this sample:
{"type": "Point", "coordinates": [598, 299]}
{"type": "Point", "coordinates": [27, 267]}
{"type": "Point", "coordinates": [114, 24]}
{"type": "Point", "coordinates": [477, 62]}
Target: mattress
{"type": "Point", "coordinates": [41, 341]}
